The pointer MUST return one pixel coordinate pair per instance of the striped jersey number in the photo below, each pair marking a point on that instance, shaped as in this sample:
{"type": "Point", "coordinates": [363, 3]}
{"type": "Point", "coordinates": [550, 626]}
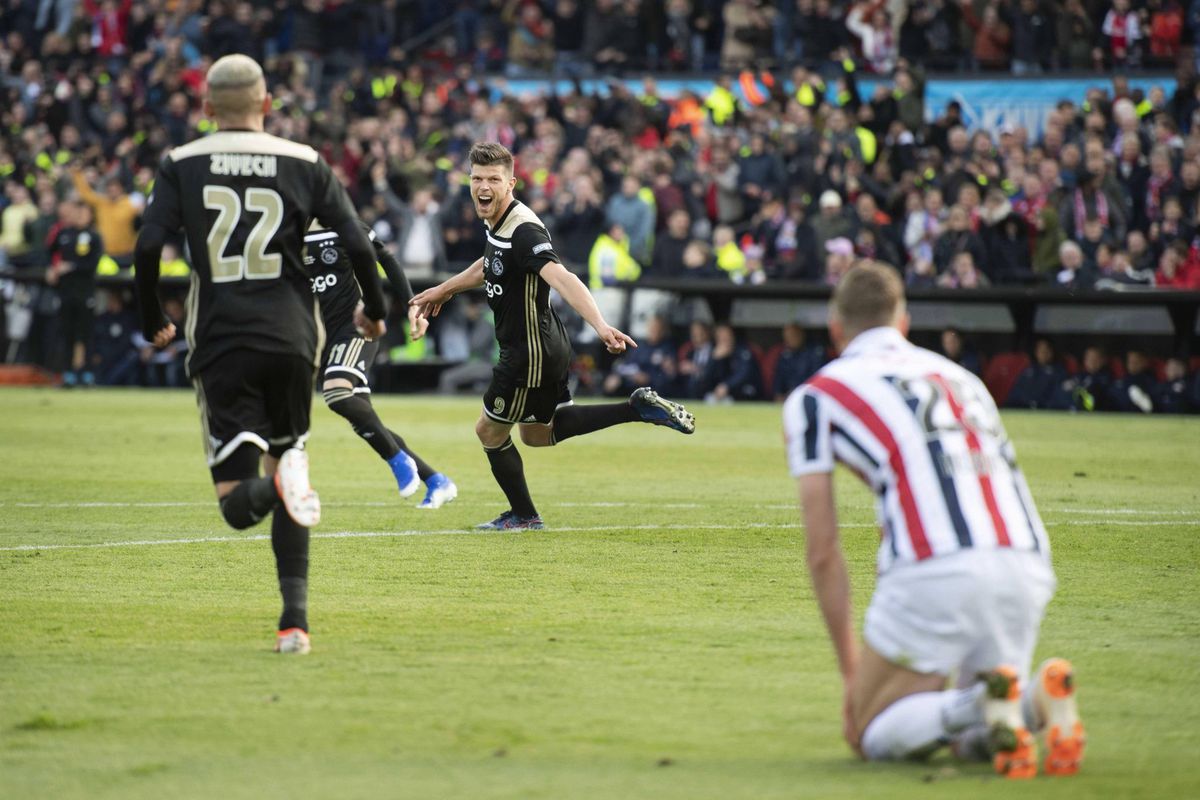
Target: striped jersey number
{"type": "Point", "coordinates": [933, 399]}
{"type": "Point", "coordinates": [254, 263]}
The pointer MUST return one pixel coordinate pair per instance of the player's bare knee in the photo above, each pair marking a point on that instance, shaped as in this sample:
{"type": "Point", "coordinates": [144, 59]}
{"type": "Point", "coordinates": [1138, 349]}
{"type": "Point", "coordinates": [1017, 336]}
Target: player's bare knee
{"type": "Point", "coordinates": [537, 435]}
{"type": "Point", "coordinates": [335, 390]}
{"type": "Point", "coordinates": [491, 434]}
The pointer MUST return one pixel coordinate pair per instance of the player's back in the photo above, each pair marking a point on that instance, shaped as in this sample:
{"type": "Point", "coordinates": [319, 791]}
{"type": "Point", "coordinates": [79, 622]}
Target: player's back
{"type": "Point", "coordinates": [927, 437]}
{"type": "Point", "coordinates": [244, 200]}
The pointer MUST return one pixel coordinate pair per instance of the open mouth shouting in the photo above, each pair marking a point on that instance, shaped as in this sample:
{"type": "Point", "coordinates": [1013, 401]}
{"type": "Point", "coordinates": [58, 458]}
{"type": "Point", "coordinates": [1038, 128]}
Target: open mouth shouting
{"type": "Point", "coordinates": [485, 203]}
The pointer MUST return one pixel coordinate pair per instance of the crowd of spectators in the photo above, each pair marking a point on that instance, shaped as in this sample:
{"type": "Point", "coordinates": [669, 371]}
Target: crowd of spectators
{"type": "Point", "coordinates": [718, 366]}
{"type": "Point", "coordinates": [792, 177]}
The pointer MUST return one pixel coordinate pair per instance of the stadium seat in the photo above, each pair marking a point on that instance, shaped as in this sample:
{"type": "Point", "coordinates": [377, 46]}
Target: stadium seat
{"type": "Point", "coordinates": [1116, 365]}
{"type": "Point", "coordinates": [767, 363]}
{"type": "Point", "coordinates": [1002, 372]}
{"type": "Point", "coordinates": [1070, 364]}
{"type": "Point", "coordinates": [1159, 367]}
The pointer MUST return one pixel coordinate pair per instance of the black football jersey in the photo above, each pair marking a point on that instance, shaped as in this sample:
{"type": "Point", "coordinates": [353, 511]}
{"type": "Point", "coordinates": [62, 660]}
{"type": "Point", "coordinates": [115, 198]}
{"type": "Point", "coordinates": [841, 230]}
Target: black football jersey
{"type": "Point", "coordinates": [534, 347]}
{"type": "Point", "coordinates": [331, 275]}
{"type": "Point", "coordinates": [81, 249]}
{"type": "Point", "coordinates": [244, 200]}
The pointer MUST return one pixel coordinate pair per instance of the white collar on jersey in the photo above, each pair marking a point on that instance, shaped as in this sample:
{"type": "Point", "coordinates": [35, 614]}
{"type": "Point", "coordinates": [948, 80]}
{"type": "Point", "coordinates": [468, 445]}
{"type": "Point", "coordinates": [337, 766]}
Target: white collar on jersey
{"type": "Point", "coordinates": [881, 338]}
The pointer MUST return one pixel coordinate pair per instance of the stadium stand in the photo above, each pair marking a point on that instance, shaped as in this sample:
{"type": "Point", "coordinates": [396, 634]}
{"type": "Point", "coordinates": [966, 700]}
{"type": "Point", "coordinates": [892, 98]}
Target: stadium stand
{"type": "Point", "coordinates": [737, 143]}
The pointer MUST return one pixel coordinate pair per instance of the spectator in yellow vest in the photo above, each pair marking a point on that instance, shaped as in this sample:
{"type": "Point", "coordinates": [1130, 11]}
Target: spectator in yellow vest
{"type": "Point", "coordinates": [730, 257]}
{"type": "Point", "coordinates": [609, 262]}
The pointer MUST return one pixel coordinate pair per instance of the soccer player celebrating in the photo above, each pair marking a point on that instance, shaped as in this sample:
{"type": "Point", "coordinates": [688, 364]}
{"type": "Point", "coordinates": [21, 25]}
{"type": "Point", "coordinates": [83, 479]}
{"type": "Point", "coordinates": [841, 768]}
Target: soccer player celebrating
{"type": "Point", "coordinates": [244, 200]}
{"type": "Point", "coordinates": [348, 357]}
{"type": "Point", "coordinates": [964, 562]}
{"type": "Point", "coordinates": [529, 384]}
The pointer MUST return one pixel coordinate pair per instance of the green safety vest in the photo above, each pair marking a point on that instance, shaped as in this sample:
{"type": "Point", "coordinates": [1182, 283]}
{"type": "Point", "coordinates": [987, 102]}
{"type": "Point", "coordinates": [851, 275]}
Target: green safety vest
{"type": "Point", "coordinates": [610, 262]}
{"type": "Point", "coordinates": [722, 104]}
{"type": "Point", "coordinates": [867, 143]}
{"type": "Point", "coordinates": [731, 260]}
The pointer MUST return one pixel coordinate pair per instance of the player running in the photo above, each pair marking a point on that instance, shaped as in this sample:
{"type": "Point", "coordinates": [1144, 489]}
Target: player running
{"type": "Point", "coordinates": [244, 200]}
{"type": "Point", "coordinates": [529, 384]}
{"type": "Point", "coordinates": [964, 562]}
{"type": "Point", "coordinates": [348, 357]}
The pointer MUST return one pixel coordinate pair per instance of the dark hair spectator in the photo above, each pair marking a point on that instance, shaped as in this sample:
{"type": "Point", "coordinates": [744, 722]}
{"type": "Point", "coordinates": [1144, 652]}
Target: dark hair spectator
{"type": "Point", "coordinates": [732, 372]}
{"type": "Point", "coordinates": [1135, 390]}
{"type": "Point", "coordinates": [796, 361]}
{"type": "Point", "coordinates": [1171, 395]}
{"type": "Point", "coordinates": [954, 347]}
{"type": "Point", "coordinates": [651, 363]}
{"type": "Point", "coordinates": [1039, 384]}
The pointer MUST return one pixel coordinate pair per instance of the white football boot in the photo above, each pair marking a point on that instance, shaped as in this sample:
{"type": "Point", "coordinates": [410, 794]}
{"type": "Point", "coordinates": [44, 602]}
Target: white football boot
{"type": "Point", "coordinates": [291, 481]}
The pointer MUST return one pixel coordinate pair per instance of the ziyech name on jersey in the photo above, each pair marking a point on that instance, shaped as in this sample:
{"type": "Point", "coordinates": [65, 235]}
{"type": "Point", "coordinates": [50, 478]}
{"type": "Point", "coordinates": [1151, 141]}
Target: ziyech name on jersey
{"type": "Point", "coordinates": [242, 165]}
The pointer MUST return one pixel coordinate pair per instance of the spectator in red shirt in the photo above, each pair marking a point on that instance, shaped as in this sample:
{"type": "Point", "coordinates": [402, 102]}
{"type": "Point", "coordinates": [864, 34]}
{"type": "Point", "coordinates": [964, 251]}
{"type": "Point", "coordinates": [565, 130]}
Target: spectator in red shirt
{"type": "Point", "coordinates": [1176, 271]}
{"type": "Point", "coordinates": [1166, 29]}
{"type": "Point", "coordinates": [1123, 31]}
{"type": "Point", "coordinates": [110, 21]}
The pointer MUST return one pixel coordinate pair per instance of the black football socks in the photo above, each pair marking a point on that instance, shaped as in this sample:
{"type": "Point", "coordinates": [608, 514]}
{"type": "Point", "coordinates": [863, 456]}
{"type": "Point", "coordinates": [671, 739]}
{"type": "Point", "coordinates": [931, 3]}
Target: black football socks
{"type": "Point", "coordinates": [509, 472]}
{"type": "Point", "coordinates": [577, 420]}
{"type": "Point", "coordinates": [424, 471]}
{"type": "Point", "coordinates": [290, 543]}
{"type": "Point", "coordinates": [249, 502]}
{"type": "Point", "coordinates": [358, 411]}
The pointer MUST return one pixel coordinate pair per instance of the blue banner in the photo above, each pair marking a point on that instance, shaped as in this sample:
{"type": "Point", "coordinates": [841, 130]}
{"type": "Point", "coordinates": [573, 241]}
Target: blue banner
{"type": "Point", "coordinates": [986, 103]}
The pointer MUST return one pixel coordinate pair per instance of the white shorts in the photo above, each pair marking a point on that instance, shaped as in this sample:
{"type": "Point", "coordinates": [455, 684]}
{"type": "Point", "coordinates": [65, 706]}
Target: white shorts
{"type": "Point", "coordinates": [969, 611]}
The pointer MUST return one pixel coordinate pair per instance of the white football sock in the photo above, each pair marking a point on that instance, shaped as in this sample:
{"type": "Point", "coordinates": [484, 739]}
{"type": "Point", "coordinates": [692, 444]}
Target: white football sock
{"type": "Point", "coordinates": [917, 724]}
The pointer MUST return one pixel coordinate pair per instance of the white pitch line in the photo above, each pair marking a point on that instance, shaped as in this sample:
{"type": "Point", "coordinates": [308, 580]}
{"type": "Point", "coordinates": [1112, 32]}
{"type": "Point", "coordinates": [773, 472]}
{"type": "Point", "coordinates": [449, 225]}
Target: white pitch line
{"type": "Point", "coordinates": [600, 504]}
{"type": "Point", "coordinates": [393, 534]}
{"type": "Point", "coordinates": [569, 529]}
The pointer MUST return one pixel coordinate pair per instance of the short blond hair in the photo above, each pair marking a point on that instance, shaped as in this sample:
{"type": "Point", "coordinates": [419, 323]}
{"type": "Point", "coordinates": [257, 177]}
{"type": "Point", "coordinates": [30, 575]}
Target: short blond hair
{"type": "Point", "coordinates": [869, 295]}
{"type": "Point", "coordinates": [236, 85]}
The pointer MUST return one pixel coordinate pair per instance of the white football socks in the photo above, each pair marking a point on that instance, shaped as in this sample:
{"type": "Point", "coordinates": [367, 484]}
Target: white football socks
{"type": "Point", "coordinates": [917, 724]}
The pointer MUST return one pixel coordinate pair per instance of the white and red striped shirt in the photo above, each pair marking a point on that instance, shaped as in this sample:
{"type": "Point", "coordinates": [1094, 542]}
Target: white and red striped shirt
{"type": "Point", "coordinates": [925, 435]}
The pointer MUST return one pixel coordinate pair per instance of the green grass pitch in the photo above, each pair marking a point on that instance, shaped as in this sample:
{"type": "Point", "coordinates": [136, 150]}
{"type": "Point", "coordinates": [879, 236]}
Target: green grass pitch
{"type": "Point", "coordinates": [659, 640]}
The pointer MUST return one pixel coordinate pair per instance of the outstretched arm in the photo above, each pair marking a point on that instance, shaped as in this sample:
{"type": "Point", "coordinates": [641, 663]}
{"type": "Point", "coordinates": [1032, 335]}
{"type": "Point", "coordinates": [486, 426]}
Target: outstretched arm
{"type": "Point", "coordinates": [579, 298]}
{"type": "Point", "coordinates": [401, 289]}
{"type": "Point", "coordinates": [429, 302]}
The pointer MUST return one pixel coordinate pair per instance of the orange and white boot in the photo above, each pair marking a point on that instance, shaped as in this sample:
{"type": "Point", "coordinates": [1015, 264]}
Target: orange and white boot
{"type": "Point", "coordinates": [1014, 751]}
{"type": "Point", "coordinates": [292, 640]}
{"type": "Point", "coordinates": [1056, 713]}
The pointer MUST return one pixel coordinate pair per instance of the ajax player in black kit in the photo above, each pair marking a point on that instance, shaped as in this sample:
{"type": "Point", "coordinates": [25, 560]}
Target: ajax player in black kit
{"type": "Point", "coordinates": [529, 384]}
{"type": "Point", "coordinates": [348, 357]}
{"type": "Point", "coordinates": [244, 199]}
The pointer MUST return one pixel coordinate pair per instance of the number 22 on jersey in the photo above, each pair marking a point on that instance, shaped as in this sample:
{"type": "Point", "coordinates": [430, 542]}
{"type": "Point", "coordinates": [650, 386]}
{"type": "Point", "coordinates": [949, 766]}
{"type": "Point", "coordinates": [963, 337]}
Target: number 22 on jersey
{"type": "Point", "coordinates": [253, 263]}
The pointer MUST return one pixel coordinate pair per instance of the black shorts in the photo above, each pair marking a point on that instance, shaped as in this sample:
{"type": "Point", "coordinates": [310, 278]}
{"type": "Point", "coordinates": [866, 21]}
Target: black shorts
{"type": "Point", "coordinates": [78, 316]}
{"type": "Point", "coordinates": [248, 397]}
{"type": "Point", "coordinates": [505, 401]}
{"type": "Point", "coordinates": [349, 356]}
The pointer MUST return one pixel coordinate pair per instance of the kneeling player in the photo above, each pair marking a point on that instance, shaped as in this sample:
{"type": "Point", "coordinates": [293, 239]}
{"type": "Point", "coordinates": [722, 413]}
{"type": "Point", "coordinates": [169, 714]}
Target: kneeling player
{"type": "Point", "coordinates": [348, 356]}
{"type": "Point", "coordinates": [964, 562]}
